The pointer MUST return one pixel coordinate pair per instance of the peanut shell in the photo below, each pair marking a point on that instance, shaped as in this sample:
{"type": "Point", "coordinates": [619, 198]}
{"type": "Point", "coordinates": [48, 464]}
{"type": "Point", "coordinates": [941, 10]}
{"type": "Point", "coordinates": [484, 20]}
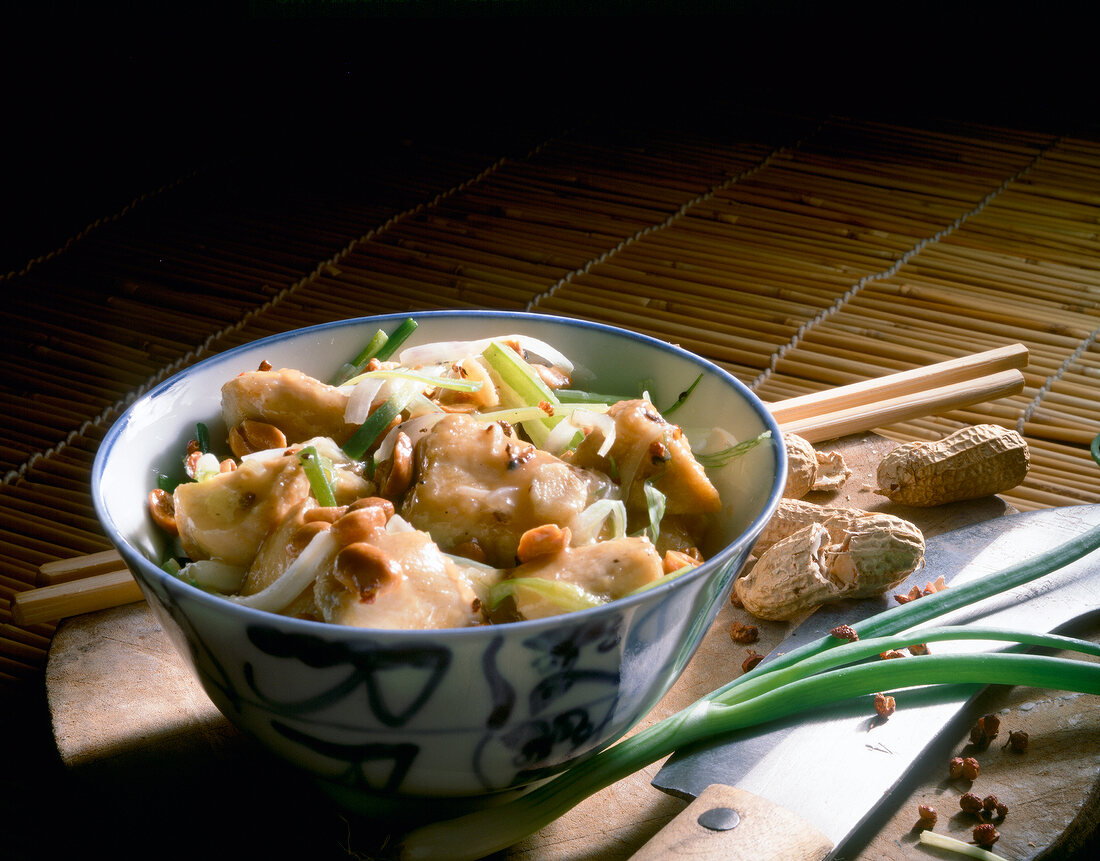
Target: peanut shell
{"type": "Point", "coordinates": [975, 461]}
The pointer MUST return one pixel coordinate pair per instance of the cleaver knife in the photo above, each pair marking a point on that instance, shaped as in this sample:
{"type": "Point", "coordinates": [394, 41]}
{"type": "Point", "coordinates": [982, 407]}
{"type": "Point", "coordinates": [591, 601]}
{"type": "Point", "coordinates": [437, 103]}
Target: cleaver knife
{"type": "Point", "coordinates": [797, 788]}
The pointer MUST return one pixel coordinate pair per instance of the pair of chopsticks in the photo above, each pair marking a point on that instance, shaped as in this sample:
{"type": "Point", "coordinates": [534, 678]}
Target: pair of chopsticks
{"type": "Point", "coordinates": [85, 584]}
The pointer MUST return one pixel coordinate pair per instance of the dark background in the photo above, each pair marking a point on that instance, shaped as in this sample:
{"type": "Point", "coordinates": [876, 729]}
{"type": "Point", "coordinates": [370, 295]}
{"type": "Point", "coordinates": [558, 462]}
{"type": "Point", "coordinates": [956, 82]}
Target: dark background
{"type": "Point", "coordinates": [105, 102]}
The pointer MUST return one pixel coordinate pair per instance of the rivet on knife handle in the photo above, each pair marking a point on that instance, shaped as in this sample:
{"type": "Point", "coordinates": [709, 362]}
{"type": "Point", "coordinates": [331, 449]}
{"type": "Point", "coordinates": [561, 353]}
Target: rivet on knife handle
{"type": "Point", "coordinates": [763, 832]}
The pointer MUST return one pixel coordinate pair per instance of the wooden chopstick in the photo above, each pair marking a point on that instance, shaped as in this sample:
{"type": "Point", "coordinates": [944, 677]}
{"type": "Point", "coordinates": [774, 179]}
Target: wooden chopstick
{"type": "Point", "coordinates": [85, 584]}
{"type": "Point", "coordinates": [855, 419]}
{"type": "Point", "coordinates": [75, 597]}
{"type": "Point", "coordinates": [893, 386]}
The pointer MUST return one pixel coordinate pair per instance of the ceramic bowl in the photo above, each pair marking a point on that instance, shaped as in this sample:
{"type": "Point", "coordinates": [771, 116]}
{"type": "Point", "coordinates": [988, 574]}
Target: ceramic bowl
{"type": "Point", "coordinates": [451, 713]}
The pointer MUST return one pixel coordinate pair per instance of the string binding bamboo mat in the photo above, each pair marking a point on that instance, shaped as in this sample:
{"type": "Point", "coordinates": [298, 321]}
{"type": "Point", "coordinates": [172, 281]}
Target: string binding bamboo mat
{"type": "Point", "coordinates": [798, 253]}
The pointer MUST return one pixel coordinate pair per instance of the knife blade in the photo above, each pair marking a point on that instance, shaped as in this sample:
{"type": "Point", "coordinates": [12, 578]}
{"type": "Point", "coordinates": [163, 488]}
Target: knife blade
{"type": "Point", "coordinates": [797, 788]}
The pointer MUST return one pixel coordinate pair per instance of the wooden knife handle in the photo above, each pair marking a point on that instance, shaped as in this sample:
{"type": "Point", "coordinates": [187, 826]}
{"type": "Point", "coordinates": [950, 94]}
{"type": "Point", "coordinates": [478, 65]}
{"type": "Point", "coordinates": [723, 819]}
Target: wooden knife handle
{"type": "Point", "coordinates": [763, 831]}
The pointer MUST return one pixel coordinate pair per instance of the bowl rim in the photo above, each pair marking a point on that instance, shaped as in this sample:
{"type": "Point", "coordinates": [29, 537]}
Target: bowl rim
{"type": "Point", "coordinates": [147, 570]}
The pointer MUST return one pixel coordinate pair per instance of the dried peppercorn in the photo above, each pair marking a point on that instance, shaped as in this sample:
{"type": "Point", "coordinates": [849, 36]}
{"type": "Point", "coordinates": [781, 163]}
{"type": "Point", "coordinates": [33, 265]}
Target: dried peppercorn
{"type": "Point", "coordinates": [994, 807]}
{"type": "Point", "coordinates": [741, 633]}
{"type": "Point", "coordinates": [1018, 740]}
{"type": "Point", "coordinates": [891, 653]}
{"type": "Point", "coordinates": [919, 649]}
{"type": "Point", "coordinates": [884, 705]}
{"type": "Point", "coordinates": [985, 834]}
{"type": "Point", "coordinates": [955, 767]}
{"type": "Point", "coordinates": [927, 817]}
{"type": "Point", "coordinates": [970, 803]}
{"type": "Point", "coordinates": [844, 632]}
{"type": "Point", "coordinates": [985, 730]}
{"type": "Point", "coordinates": [970, 768]}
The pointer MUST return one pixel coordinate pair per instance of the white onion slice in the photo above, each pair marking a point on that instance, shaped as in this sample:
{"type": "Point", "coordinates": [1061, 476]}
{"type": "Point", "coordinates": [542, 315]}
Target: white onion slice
{"type": "Point", "coordinates": [298, 575]}
{"type": "Point", "coordinates": [212, 574]}
{"type": "Point", "coordinates": [587, 525]}
{"type": "Point", "coordinates": [362, 397]}
{"type": "Point", "coordinates": [456, 351]}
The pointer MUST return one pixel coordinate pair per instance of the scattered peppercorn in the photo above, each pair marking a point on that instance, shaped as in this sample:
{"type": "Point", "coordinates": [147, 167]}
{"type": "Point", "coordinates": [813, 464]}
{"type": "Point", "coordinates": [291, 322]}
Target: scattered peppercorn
{"type": "Point", "coordinates": [985, 834]}
{"type": "Point", "coordinates": [1017, 740]}
{"type": "Point", "coordinates": [970, 803]}
{"type": "Point", "coordinates": [845, 632]}
{"type": "Point", "coordinates": [985, 730]}
{"type": "Point", "coordinates": [884, 705]}
{"type": "Point", "coordinates": [751, 661]}
{"type": "Point", "coordinates": [927, 817]}
{"type": "Point", "coordinates": [955, 767]}
{"type": "Point", "coordinates": [741, 633]}
{"type": "Point", "coordinates": [919, 649]}
{"type": "Point", "coordinates": [891, 653]}
{"type": "Point", "coordinates": [994, 807]}
{"type": "Point", "coordinates": [970, 768]}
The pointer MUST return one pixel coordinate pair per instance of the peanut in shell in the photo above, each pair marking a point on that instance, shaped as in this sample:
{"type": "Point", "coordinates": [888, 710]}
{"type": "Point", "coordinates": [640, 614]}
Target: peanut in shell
{"type": "Point", "coordinates": [975, 461]}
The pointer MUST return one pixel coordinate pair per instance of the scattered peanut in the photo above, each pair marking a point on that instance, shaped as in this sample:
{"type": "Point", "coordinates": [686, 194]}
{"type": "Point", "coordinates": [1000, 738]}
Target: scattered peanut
{"type": "Point", "coordinates": [927, 817]}
{"type": "Point", "coordinates": [741, 633]}
{"type": "Point", "coordinates": [809, 469]}
{"type": "Point", "coordinates": [975, 461]}
{"type": "Point", "coordinates": [985, 835]}
{"type": "Point", "coordinates": [791, 515]}
{"type": "Point", "coordinates": [807, 569]}
{"type": "Point", "coordinates": [985, 730]}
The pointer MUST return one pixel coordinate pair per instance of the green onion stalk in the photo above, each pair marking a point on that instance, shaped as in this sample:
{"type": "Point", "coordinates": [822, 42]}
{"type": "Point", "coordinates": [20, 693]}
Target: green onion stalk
{"type": "Point", "coordinates": [820, 673]}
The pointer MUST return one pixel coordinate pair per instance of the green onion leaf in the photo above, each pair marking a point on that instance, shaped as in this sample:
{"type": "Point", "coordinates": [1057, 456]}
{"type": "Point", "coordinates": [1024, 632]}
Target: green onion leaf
{"type": "Point", "coordinates": [568, 596]}
{"type": "Point", "coordinates": [202, 437]}
{"type": "Point", "coordinates": [399, 337]}
{"type": "Point", "coordinates": [716, 459]}
{"type": "Point", "coordinates": [520, 386]}
{"type": "Point", "coordinates": [942, 841]}
{"type": "Point", "coordinates": [369, 431]}
{"type": "Point", "coordinates": [318, 480]}
{"type": "Point", "coordinates": [803, 679]}
{"type": "Point", "coordinates": [381, 346]}
{"type": "Point", "coordinates": [684, 395]}
{"type": "Point", "coordinates": [655, 509]}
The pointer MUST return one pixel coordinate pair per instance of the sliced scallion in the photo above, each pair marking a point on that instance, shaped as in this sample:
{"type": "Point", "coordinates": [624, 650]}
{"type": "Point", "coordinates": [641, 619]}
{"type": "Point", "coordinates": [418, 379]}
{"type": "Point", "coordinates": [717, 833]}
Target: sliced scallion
{"type": "Point", "coordinates": [567, 596]}
{"type": "Point", "coordinates": [318, 480]}
{"type": "Point", "coordinates": [369, 431]}
{"type": "Point", "coordinates": [684, 395]}
{"type": "Point", "coordinates": [717, 459]}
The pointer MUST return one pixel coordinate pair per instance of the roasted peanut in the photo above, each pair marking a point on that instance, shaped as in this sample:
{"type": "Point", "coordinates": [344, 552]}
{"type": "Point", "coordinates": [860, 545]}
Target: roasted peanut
{"type": "Point", "coordinates": [365, 569]}
{"type": "Point", "coordinates": [809, 469]}
{"type": "Point", "coordinates": [395, 473]}
{"type": "Point", "coordinates": [808, 569]}
{"type": "Point", "coordinates": [791, 515]}
{"type": "Point", "coordinates": [545, 540]}
{"type": "Point", "coordinates": [976, 461]}
{"type": "Point", "coordinates": [252, 436]}
{"type": "Point", "coordinates": [163, 510]}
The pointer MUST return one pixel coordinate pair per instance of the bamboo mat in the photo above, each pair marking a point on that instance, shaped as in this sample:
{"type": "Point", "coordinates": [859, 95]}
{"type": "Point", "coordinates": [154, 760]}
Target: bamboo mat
{"type": "Point", "coordinates": [797, 252]}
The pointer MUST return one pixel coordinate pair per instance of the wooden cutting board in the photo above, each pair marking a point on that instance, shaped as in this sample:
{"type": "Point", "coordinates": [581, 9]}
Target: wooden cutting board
{"type": "Point", "coordinates": [131, 722]}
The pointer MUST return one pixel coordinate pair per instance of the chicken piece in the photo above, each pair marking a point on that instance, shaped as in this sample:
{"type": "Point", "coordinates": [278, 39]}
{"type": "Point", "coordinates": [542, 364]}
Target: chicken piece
{"type": "Point", "coordinates": [227, 516]}
{"type": "Point", "coordinates": [647, 446]}
{"type": "Point", "coordinates": [607, 569]}
{"type": "Point", "coordinates": [478, 484]}
{"type": "Point", "coordinates": [279, 549]}
{"type": "Point", "coordinates": [397, 580]}
{"type": "Point", "coordinates": [297, 404]}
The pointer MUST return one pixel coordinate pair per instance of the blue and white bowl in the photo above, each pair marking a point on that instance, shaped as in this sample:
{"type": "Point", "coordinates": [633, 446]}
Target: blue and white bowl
{"type": "Point", "coordinates": [452, 713]}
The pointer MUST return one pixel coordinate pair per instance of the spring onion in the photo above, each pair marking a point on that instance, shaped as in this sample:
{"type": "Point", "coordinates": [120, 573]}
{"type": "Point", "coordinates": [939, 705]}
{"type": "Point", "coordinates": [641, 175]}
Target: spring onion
{"type": "Point", "coordinates": [381, 346]}
{"type": "Point", "coordinates": [942, 841]}
{"type": "Point", "coordinates": [721, 458]}
{"type": "Point", "coordinates": [561, 593]}
{"type": "Point", "coordinates": [684, 395]}
{"type": "Point", "coordinates": [803, 679]}
{"type": "Point", "coordinates": [520, 385]}
{"type": "Point", "coordinates": [318, 480]}
{"type": "Point", "coordinates": [655, 510]}
{"type": "Point", "coordinates": [202, 437]}
{"type": "Point", "coordinates": [369, 431]}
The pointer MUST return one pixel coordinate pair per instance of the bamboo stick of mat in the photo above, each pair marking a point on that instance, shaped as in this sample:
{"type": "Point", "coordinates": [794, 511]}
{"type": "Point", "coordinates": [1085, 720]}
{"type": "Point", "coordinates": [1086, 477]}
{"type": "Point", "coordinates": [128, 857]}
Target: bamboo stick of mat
{"type": "Point", "coordinates": [818, 416]}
